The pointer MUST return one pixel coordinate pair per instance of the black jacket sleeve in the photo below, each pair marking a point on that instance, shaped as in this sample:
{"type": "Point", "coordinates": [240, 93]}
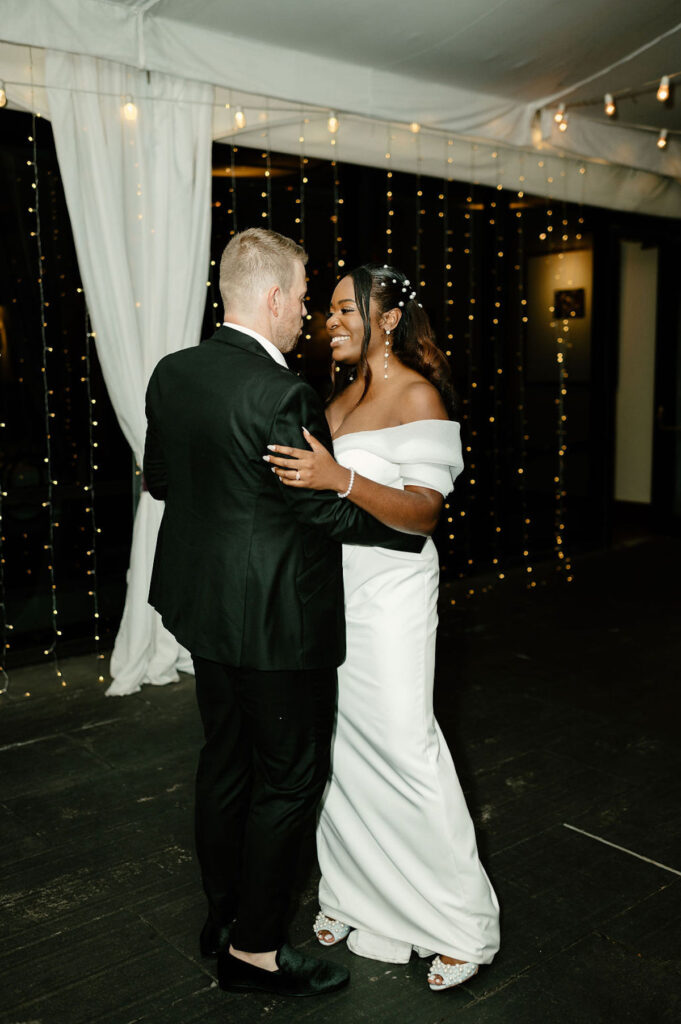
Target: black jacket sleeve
{"type": "Point", "coordinates": [154, 465]}
{"type": "Point", "coordinates": [336, 517]}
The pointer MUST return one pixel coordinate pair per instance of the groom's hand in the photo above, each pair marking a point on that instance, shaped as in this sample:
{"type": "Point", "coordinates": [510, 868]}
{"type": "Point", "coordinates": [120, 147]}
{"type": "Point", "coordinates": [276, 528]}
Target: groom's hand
{"type": "Point", "coordinates": [316, 469]}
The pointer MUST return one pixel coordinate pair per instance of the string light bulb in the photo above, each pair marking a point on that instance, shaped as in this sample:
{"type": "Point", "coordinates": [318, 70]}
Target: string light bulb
{"type": "Point", "coordinates": [415, 127]}
{"type": "Point", "coordinates": [333, 124]}
{"type": "Point", "coordinates": [129, 109]}
{"type": "Point", "coordinates": [562, 126]}
{"type": "Point", "coordinates": [559, 114]}
{"type": "Point", "coordinates": [3, 95]}
{"type": "Point", "coordinates": [663, 89]}
{"type": "Point", "coordinates": [662, 139]}
{"type": "Point", "coordinates": [239, 119]}
{"type": "Point", "coordinates": [609, 103]}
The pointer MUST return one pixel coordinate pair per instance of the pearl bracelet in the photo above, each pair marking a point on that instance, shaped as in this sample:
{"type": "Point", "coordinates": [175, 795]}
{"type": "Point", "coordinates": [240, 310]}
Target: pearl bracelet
{"type": "Point", "coordinates": [352, 480]}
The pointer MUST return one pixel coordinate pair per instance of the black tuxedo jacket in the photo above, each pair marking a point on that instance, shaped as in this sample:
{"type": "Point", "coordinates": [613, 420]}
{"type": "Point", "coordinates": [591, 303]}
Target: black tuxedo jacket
{"type": "Point", "coordinates": [247, 571]}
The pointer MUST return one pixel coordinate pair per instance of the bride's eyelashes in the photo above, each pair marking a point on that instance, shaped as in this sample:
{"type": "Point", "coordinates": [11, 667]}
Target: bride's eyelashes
{"type": "Point", "coordinates": [344, 311]}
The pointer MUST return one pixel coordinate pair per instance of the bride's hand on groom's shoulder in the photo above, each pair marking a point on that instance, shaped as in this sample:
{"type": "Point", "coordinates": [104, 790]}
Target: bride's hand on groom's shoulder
{"type": "Point", "coordinates": [299, 467]}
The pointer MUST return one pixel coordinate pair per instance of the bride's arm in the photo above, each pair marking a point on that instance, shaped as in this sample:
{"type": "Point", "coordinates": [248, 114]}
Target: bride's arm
{"type": "Point", "coordinates": [412, 510]}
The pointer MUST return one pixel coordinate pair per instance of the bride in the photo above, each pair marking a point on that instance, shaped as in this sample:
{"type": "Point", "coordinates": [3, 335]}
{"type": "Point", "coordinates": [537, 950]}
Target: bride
{"type": "Point", "coordinates": [396, 844]}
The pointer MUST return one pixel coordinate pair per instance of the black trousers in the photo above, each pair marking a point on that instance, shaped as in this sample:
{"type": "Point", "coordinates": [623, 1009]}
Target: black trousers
{"type": "Point", "coordinates": [260, 778]}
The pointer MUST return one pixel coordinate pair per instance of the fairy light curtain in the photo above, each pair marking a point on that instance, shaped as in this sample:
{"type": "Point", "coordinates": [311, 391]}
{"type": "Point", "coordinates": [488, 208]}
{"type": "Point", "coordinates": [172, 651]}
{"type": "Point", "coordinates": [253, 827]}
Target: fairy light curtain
{"type": "Point", "coordinates": [138, 192]}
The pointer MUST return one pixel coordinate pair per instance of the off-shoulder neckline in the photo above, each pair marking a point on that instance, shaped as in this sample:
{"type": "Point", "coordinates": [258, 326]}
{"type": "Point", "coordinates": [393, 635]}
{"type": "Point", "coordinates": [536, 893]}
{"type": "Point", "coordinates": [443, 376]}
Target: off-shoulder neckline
{"type": "Point", "coordinates": [380, 430]}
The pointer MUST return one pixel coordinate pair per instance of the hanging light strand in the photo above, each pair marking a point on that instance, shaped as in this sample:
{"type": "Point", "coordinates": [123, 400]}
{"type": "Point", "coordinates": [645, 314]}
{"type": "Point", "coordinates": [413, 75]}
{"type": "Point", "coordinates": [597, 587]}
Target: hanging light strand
{"type": "Point", "coordinates": [447, 301]}
{"type": "Point", "coordinates": [496, 349]}
{"type": "Point", "coordinates": [469, 402]}
{"type": "Point", "coordinates": [338, 262]}
{"type": "Point", "coordinates": [232, 191]}
{"type": "Point", "coordinates": [266, 192]}
{"type": "Point", "coordinates": [562, 346]}
{"type": "Point", "coordinates": [420, 267]}
{"type": "Point", "coordinates": [389, 210]}
{"type": "Point", "coordinates": [93, 589]}
{"type": "Point", "coordinates": [561, 433]}
{"type": "Point", "coordinates": [302, 182]}
{"type": "Point", "coordinates": [661, 88]}
{"type": "Point", "coordinates": [47, 458]}
{"type": "Point", "coordinates": [213, 281]}
{"type": "Point", "coordinates": [268, 177]}
{"type": "Point", "coordinates": [448, 271]}
{"type": "Point", "coordinates": [523, 436]}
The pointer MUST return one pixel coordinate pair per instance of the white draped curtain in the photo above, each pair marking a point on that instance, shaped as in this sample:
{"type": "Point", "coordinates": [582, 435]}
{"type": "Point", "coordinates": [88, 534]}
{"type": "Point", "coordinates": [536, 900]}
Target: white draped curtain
{"type": "Point", "coordinates": [138, 193]}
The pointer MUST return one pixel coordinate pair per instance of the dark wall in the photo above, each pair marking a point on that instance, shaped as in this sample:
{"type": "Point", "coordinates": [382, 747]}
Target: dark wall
{"type": "Point", "coordinates": [473, 254]}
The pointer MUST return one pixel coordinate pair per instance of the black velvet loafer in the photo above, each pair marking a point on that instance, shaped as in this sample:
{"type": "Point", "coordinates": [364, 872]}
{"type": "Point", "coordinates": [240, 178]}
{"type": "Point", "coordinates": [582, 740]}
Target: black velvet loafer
{"type": "Point", "coordinates": [213, 938]}
{"type": "Point", "coordinates": [298, 975]}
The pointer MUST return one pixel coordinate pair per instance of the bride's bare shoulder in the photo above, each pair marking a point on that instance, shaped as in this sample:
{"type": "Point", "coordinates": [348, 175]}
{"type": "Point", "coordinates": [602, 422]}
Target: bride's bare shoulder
{"type": "Point", "coordinates": [421, 400]}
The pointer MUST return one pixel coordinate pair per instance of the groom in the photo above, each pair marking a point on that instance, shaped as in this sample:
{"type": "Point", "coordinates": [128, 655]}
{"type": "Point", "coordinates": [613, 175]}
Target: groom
{"type": "Point", "coordinates": [247, 576]}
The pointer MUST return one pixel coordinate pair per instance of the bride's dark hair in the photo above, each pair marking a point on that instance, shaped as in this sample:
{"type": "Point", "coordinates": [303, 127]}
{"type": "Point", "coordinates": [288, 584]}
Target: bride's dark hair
{"type": "Point", "coordinates": [413, 341]}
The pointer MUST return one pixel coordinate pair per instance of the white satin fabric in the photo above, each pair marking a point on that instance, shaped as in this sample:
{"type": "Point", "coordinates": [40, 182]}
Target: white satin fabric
{"type": "Point", "coordinates": [491, 133]}
{"type": "Point", "coordinates": [396, 842]}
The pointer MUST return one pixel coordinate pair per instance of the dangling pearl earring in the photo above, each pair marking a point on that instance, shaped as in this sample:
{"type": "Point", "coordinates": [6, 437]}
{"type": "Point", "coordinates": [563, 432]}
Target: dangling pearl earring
{"type": "Point", "coordinates": [387, 353]}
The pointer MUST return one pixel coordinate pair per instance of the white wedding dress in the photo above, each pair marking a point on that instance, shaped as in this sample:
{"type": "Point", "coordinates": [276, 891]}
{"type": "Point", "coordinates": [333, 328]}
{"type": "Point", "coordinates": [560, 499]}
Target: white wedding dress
{"type": "Point", "coordinates": [395, 840]}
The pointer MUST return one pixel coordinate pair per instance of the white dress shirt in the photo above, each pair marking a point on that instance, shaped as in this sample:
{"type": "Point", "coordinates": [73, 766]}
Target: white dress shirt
{"type": "Point", "coordinates": [271, 349]}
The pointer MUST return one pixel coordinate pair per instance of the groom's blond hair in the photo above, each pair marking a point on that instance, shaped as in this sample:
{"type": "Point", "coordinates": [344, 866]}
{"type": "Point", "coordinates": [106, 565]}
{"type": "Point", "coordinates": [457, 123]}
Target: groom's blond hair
{"type": "Point", "coordinates": [252, 262]}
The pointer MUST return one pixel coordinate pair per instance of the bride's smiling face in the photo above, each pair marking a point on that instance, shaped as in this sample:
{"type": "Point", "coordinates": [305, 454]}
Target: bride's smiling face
{"type": "Point", "coordinates": [344, 324]}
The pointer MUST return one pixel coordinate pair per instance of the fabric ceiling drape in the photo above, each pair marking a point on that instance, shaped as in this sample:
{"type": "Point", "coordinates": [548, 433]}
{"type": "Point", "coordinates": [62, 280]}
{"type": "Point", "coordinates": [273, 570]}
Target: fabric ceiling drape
{"type": "Point", "coordinates": [138, 193]}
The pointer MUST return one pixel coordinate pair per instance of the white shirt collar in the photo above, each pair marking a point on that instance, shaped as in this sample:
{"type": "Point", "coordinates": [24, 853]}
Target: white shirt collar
{"type": "Point", "coordinates": [271, 349]}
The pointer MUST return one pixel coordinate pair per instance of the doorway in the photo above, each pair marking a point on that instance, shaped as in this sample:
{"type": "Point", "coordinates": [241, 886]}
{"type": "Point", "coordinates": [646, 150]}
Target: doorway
{"type": "Point", "coordinates": [635, 394]}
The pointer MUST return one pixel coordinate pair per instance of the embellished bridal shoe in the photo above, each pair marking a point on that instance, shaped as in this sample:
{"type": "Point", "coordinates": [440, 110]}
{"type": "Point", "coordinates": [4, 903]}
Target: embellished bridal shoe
{"type": "Point", "coordinates": [451, 974]}
{"type": "Point", "coordinates": [336, 929]}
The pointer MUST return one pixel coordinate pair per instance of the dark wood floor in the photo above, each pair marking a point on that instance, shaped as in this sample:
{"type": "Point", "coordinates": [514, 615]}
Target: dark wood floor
{"type": "Point", "coordinates": [562, 707]}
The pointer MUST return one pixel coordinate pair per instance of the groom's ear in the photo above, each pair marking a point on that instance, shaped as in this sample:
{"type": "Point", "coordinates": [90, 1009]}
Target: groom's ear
{"type": "Point", "coordinates": [274, 300]}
